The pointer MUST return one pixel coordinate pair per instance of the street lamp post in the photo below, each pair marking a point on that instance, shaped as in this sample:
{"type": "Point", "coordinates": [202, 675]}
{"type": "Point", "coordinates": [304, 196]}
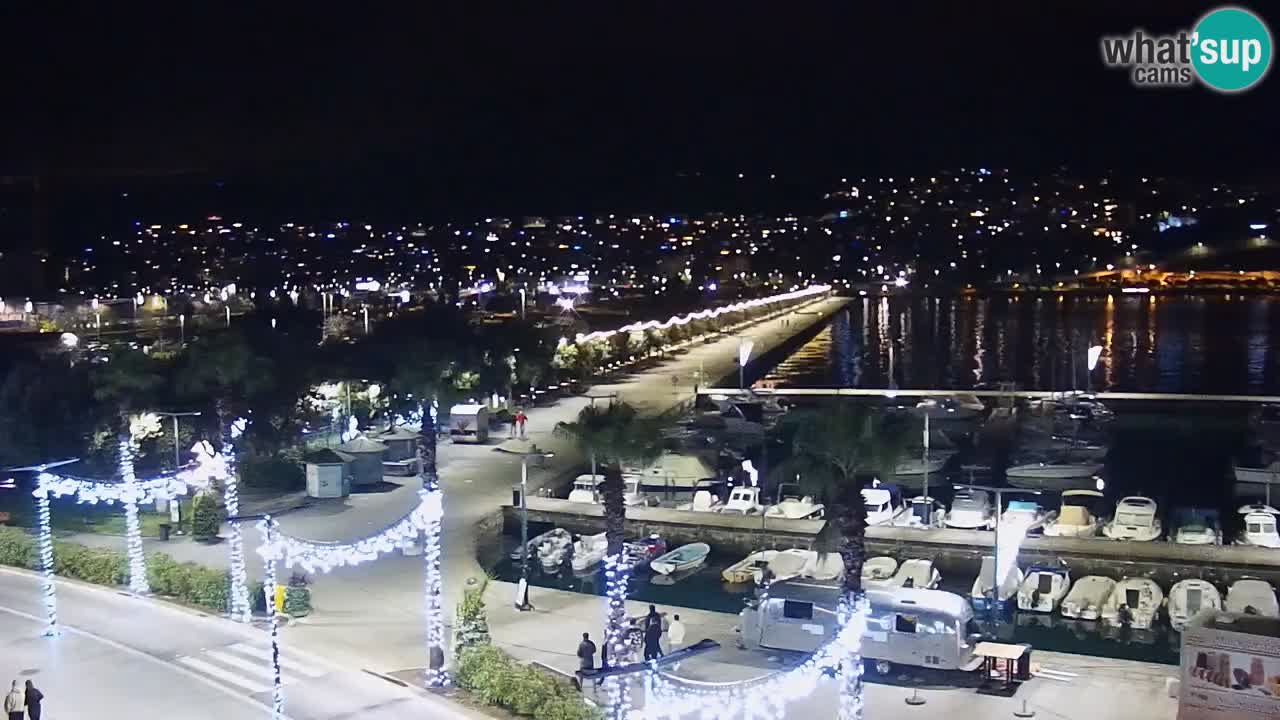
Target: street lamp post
{"type": "Point", "coordinates": [745, 346]}
{"type": "Point", "coordinates": [174, 513]}
{"type": "Point", "coordinates": [522, 591]}
{"type": "Point", "coordinates": [1000, 492]}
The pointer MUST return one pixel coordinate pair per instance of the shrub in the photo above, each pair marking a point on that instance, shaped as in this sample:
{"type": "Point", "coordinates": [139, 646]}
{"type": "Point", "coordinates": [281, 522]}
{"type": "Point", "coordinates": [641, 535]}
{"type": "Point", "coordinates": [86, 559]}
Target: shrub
{"type": "Point", "coordinates": [527, 689]}
{"type": "Point", "coordinates": [17, 548]}
{"type": "Point", "coordinates": [473, 625]}
{"type": "Point", "coordinates": [493, 677]}
{"type": "Point", "coordinates": [475, 668]}
{"type": "Point", "coordinates": [566, 706]}
{"type": "Point", "coordinates": [206, 518]}
{"type": "Point", "coordinates": [297, 600]}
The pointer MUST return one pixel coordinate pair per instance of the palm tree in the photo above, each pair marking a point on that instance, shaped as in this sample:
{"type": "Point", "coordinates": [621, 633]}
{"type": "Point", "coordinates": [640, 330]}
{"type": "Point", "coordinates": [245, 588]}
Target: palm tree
{"type": "Point", "coordinates": [127, 380]}
{"type": "Point", "coordinates": [614, 435]}
{"type": "Point", "coordinates": [831, 445]}
{"type": "Point", "coordinates": [227, 371]}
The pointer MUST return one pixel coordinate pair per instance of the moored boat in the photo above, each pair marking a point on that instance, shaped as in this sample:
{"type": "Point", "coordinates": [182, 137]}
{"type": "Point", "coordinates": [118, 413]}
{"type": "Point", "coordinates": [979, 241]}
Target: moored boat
{"type": "Point", "coordinates": [1043, 588]}
{"type": "Point", "coordinates": [685, 557]}
{"type": "Point", "coordinates": [1135, 519]}
{"type": "Point", "coordinates": [1188, 597]}
{"type": "Point", "coordinates": [1134, 602]}
{"type": "Point", "coordinates": [744, 570]}
{"type": "Point", "coordinates": [1252, 596]}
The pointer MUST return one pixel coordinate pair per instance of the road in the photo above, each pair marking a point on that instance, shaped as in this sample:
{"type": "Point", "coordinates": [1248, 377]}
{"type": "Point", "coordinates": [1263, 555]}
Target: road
{"type": "Point", "coordinates": [124, 657]}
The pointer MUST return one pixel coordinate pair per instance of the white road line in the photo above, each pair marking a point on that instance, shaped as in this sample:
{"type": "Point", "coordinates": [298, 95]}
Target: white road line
{"type": "Point", "coordinates": [226, 676]}
{"type": "Point", "coordinates": [255, 669]}
{"type": "Point", "coordinates": [264, 654]}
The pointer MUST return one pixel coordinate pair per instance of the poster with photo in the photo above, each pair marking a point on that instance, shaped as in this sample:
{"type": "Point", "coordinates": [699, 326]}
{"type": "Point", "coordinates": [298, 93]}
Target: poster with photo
{"type": "Point", "coordinates": [1229, 675]}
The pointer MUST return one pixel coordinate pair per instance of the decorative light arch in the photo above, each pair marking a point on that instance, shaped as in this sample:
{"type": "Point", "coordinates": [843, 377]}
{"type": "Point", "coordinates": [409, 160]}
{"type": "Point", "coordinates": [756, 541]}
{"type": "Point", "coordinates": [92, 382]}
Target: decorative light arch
{"type": "Point", "coordinates": [312, 556]}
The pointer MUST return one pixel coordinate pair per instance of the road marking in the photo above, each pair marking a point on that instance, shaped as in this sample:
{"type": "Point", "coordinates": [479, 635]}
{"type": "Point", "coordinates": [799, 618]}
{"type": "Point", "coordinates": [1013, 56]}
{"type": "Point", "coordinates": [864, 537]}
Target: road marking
{"type": "Point", "coordinates": [211, 670]}
{"type": "Point", "coordinates": [251, 667]}
{"type": "Point", "coordinates": [264, 654]}
{"type": "Point", "coordinates": [257, 706]}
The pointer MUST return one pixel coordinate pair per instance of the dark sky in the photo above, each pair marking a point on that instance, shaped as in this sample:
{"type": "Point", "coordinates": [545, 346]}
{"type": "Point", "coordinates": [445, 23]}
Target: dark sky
{"type": "Point", "coordinates": [584, 101]}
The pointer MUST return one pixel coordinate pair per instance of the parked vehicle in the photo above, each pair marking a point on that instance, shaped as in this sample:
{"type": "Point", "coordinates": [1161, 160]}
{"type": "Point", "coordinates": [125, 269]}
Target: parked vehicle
{"type": "Point", "coordinates": [925, 628]}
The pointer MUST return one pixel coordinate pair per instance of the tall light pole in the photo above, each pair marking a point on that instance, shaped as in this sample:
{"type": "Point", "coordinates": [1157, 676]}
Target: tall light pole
{"type": "Point", "coordinates": [745, 346]}
{"type": "Point", "coordinates": [999, 492]}
{"type": "Point", "coordinates": [522, 591]}
{"type": "Point", "coordinates": [174, 513]}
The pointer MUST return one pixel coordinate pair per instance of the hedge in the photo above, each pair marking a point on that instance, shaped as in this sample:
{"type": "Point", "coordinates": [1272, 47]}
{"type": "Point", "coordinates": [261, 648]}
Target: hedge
{"type": "Point", "coordinates": [187, 582]}
{"type": "Point", "coordinates": [497, 679]}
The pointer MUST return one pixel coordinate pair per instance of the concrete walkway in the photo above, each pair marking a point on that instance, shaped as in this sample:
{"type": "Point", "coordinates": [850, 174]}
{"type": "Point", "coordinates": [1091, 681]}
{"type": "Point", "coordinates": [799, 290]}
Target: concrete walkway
{"type": "Point", "coordinates": [1084, 688]}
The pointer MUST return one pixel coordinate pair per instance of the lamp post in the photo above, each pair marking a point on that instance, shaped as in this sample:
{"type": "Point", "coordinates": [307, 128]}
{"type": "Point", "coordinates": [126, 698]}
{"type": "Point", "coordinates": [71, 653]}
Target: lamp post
{"type": "Point", "coordinates": [522, 591]}
{"type": "Point", "coordinates": [1000, 492]}
{"type": "Point", "coordinates": [174, 512]}
{"type": "Point", "coordinates": [745, 346]}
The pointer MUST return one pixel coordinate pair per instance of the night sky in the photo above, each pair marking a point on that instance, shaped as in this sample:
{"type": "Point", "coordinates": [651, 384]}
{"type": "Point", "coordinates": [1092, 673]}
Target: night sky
{"type": "Point", "coordinates": [586, 106]}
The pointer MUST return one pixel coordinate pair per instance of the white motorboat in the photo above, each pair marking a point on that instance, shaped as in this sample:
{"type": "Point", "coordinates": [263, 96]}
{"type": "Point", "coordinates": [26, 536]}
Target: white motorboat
{"type": "Point", "coordinates": [959, 406]}
{"type": "Point", "coordinates": [1074, 518]}
{"type": "Point", "coordinates": [743, 500]}
{"type": "Point", "coordinates": [971, 510]}
{"type": "Point", "coordinates": [877, 570]}
{"type": "Point", "coordinates": [915, 573]}
{"type": "Point", "coordinates": [1134, 602]}
{"type": "Point", "coordinates": [784, 565]}
{"type": "Point", "coordinates": [703, 501]}
{"type": "Point", "coordinates": [1252, 597]}
{"type": "Point", "coordinates": [1043, 588]}
{"type": "Point", "coordinates": [1087, 596]}
{"type": "Point", "coordinates": [1135, 519]}
{"type": "Point", "coordinates": [1259, 526]}
{"type": "Point", "coordinates": [1197, 531]}
{"type": "Point", "coordinates": [685, 557]}
{"type": "Point", "coordinates": [883, 504]}
{"type": "Point", "coordinates": [745, 570]}
{"type": "Point", "coordinates": [588, 551]}
{"type": "Point", "coordinates": [1188, 597]}
{"type": "Point", "coordinates": [1024, 515]}
{"type": "Point", "coordinates": [1053, 469]}
{"type": "Point", "coordinates": [823, 566]}
{"type": "Point", "coordinates": [552, 552]}
{"type": "Point", "coordinates": [922, 512]}
{"type": "Point", "coordinates": [672, 470]}
{"type": "Point", "coordinates": [983, 593]}
{"type": "Point", "coordinates": [584, 489]}
{"type": "Point", "coordinates": [794, 505]}
{"type": "Point", "coordinates": [920, 465]}
{"type": "Point", "coordinates": [556, 535]}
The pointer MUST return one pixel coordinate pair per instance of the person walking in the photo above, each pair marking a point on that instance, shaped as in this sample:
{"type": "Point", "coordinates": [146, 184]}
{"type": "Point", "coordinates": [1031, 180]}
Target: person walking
{"type": "Point", "coordinates": [521, 419]}
{"type": "Point", "coordinates": [652, 635]}
{"type": "Point", "coordinates": [675, 634]}
{"type": "Point", "coordinates": [15, 703]}
{"type": "Point", "coordinates": [586, 653]}
{"type": "Point", "coordinates": [34, 697]}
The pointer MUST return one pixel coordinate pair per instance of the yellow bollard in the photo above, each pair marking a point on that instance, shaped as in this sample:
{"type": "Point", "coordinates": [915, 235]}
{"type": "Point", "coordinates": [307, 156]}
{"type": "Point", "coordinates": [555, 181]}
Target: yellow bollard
{"type": "Point", "coordinates": [279, 598]}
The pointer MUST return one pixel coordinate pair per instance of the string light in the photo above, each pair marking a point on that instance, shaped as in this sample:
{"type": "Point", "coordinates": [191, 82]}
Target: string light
{"type": "Point", "coordinates": [617, 574]}
{"type": "Point", "coordinates": [433, 583]}
{"type": "Point", "coordinates": [266, 527]}
{"type": "Point", "coordinates": [322, 557]}
{"type": "Point", "coordinates": [48, 593]}
{"type": "Point", "coordinates": [132, 527]}
{"type": "Point", "coordinates": [703, 314]}
{"type": "Point", "coordinates": [240, 608]}
{"type": "Point", "coordinates": [673, 697]}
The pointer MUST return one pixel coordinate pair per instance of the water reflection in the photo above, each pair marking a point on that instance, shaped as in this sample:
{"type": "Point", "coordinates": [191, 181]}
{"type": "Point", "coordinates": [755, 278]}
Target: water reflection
{"type": "Point", "coordinates": [1189, 343]}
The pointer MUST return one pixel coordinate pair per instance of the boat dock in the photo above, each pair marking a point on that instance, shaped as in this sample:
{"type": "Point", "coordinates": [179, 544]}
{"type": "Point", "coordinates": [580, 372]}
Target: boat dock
{"type": "Point", "coordinates": [744, 534]}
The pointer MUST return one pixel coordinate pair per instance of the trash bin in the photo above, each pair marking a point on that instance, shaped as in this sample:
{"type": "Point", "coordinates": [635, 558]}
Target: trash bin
{"type": "Point", "coordinates": [164, 531]}
{"type": "Point", "coordinates": [1023, 670]}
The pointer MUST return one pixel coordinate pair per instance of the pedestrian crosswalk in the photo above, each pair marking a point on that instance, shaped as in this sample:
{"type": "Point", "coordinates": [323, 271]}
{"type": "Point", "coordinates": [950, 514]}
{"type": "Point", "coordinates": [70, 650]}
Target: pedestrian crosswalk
{"type": "Point", "coordinates": [247, 667]}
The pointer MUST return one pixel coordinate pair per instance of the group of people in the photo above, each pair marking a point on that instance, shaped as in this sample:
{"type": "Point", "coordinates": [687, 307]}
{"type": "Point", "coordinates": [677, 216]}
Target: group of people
{"type": "Point", "coordinates": [21, 703]}
{"type": "Point", "coordinates": [517, 424]}
{"type": "Point", "coordinates": [653, 626]}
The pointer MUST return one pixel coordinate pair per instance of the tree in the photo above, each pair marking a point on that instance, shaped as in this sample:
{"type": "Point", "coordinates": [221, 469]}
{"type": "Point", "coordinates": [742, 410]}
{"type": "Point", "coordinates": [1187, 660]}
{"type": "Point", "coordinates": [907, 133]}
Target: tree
{"type": "Point", "coordinates": [127, 380]}
{"type": "Point", "coordinates": [473, 622]}
{"type": "Point", "coordinates": [206, 517]}
{"type": "Point", "coordinates": [613, 435]}
{"type": "Point", "coordinates": [831, 445]}
{"type": "Point", "coordinates": [224, 372]}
